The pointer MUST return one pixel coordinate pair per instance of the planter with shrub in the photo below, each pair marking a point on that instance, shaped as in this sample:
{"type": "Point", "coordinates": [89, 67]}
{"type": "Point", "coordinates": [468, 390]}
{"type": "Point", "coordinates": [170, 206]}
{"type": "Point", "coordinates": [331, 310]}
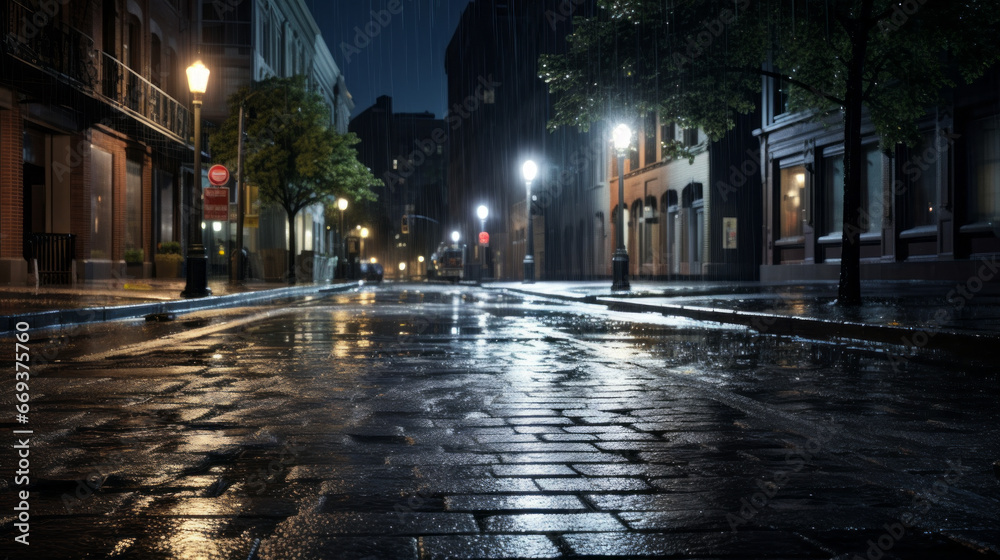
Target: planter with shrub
{"type": "Point", "coordinates": [168, 260]}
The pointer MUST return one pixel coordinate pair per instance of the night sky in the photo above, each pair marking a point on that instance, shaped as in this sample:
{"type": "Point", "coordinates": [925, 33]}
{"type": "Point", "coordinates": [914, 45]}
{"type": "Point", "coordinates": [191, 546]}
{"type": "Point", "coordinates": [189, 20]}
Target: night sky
{"type": "Point", "coordinates": [404, 60]}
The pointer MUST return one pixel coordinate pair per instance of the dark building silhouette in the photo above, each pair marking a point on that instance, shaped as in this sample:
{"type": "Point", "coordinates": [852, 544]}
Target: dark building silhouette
{"type": "Point", "coordinates": [498, 110]}
{"type": "Point", "coordinates": [409, 153]}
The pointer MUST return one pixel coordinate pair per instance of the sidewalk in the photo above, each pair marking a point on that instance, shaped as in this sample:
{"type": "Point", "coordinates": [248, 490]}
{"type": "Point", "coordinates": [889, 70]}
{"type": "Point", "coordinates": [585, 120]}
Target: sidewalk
{"type": "Point", "coordinates": [51, 306]}
{"type": "Point", "coordinates": [918, 314]}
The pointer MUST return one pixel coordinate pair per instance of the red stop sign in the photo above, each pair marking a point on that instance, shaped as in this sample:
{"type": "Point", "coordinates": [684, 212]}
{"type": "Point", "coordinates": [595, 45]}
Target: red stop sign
{"type": "Point", "coordinates": [484, 238]}
{"type": "Point", "coordinates": [218, 175]}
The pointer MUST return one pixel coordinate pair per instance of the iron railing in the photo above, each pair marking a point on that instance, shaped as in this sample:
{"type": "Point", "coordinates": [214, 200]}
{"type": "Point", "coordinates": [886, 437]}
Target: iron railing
{"type": "Point", "coordinates": [58, 49]}
{"type": "Point", "coordinates": [130, 91]}
{"type": "Point", "coordinates": [54, 253]}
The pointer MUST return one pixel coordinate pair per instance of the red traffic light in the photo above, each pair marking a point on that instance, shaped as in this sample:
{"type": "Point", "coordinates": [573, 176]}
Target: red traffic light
{"type": "Point", "coordinates": [484, 238]}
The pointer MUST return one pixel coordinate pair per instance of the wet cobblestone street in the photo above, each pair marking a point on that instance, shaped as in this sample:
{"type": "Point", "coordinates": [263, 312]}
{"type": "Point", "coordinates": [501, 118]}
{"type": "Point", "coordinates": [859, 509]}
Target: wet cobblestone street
{"type": "Point", "coordinates": [432, 422]}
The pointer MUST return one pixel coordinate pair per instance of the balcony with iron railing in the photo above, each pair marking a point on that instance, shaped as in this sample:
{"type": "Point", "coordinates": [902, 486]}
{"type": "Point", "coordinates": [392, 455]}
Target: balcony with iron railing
{"type": "Point", "coordinates": [60, 50]}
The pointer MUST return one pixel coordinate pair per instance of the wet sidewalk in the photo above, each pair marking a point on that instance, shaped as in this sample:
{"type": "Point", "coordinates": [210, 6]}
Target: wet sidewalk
{"type": "Point", "coordinates": [918, 314]}
{"type": "Point", "coordinates": [87, 302]}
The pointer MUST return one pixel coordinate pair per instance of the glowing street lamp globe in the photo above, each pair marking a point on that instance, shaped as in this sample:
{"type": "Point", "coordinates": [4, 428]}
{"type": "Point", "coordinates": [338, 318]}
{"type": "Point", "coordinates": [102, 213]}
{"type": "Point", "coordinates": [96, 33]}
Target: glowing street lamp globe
{"type": "Point", "coordinates": [197, 75]}
{"type": "Point", "coordinates": [529, 170]}
{"type": "Point", "coordinates": [622, 136]}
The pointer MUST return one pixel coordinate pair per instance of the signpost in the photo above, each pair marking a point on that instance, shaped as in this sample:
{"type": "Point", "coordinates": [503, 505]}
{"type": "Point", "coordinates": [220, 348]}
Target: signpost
{"type": "Point", "coordinates": [218, 175]}
{"type": "Point", "coordinates": [216, 203]}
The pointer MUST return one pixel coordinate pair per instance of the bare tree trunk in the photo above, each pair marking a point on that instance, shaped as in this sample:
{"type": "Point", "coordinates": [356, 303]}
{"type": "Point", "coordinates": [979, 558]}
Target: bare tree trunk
{"type": "Point", "coordinates": [291, 247]}
{"type": "Point", "coordinates": [849, 289]}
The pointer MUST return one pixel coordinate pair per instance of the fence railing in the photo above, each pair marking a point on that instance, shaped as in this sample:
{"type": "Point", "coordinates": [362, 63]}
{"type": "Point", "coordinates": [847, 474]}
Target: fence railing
{"type": "Point", "coordinates": [128, 89]}
{"type": "Point", "coordinates": [63, 51]}
{"type": "Point", "coordinates": [54, 254]}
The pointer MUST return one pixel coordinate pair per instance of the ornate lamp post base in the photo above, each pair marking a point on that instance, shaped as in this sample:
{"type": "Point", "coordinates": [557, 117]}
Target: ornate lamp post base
{"type": "Point", "coordinates": [197, 275]}
{"type": "Point", "coordinates": [619, 268]}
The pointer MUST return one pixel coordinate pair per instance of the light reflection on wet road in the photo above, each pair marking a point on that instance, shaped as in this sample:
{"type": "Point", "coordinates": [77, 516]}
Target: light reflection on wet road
{"type": "Point", "coordinates": [422, 421]}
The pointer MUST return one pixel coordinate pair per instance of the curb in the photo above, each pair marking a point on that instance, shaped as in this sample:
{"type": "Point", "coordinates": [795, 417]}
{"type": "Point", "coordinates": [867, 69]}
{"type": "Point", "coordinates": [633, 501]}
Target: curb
{"type": "Point", "coordinates": [784, 325]}
{"type": "Point", "coordinates": [62, 318]}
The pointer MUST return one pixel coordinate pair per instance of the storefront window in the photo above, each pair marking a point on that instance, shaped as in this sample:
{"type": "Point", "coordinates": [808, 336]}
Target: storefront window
{"type": "Point", "coordinates": [101, 208]}
{"type": "Point", "coordinates": [833, 189]}
{"type": "Point", "coordinates": [921, 170]}
{"type": "Point", "coordinates": [792, 191]}
{"type": "Point", "coordinates": [872, 202]}
{"type": "Point", "coordinates": [133, 205]}
{"type": "Point", "coordinates": [984, 171]}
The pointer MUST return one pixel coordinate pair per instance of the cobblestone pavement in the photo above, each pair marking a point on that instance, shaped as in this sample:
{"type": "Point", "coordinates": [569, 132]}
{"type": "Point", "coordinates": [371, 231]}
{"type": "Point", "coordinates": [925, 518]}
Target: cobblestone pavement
{"type": "Point", "coordinates": [432, 422]}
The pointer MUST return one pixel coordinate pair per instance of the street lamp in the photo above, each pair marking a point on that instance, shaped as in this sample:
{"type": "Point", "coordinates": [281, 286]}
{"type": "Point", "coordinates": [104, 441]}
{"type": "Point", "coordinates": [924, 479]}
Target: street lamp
{"type": "Point", "coordinates": [622, 136]}
{"type": "Point", "coordinates": [342, 205]}
{"type": "Point", "coordinates": [455, 236]}
{"type": "Point", "coordinates": [364, 235]}
{"type": "Point", "coordinates": [529, 170]}
{"type": "Point", "coordinates": [482, 212]}
{"type": "Point", "coordinates": [197, 260]}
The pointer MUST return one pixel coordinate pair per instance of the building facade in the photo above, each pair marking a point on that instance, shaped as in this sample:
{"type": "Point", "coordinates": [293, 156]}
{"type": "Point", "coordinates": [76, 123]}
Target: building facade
{"type": "Point", "coordinates": [689, 218]}
{"type": "Point", "coordinates": [248, 41]}
{"type": "Point", "coordinates": [929, 212]}
{"type": "Point", "coordinates": [96, 136]}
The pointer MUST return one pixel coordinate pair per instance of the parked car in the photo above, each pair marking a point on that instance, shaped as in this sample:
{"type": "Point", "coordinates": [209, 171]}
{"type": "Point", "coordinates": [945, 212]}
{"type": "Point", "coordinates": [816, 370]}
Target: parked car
{"type": "Point", "coordinates": [371, 272]}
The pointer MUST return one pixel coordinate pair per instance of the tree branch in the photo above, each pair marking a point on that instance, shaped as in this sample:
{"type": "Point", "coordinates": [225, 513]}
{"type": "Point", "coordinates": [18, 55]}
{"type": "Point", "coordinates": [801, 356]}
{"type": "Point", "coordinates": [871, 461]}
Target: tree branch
{"type": "Point", "coordinates": [793, 81]}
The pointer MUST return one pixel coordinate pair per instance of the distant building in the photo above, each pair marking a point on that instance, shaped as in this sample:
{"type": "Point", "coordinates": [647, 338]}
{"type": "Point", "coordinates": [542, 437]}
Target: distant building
{"type": "Point", "coordinates": [690, 219]}
{"type": "Point", "coordinates": [409, 153]}
{"type": "Point", "coordinates": [245, 42]}
{"type": "Point", "coordinates": [498, 111]}
{"type": "Point", "coordinates": [931, 212]}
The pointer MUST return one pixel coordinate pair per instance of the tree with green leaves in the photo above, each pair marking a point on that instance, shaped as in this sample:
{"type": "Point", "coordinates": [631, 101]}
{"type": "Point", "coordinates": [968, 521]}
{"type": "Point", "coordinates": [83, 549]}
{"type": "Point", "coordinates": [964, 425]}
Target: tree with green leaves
{"type": "Point", "coordinates": [700, 62]}
{"type": "Point", "coordinates": [292, 152]}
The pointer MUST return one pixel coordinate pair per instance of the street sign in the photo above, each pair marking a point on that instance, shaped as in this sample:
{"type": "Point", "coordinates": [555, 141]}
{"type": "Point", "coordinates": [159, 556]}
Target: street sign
{"type": "Point", "coordinates": [215, 207]}
{"type": "Point", "coordinates": [218, 175]}
{"type": "Point", "coordinates": [484, 238]}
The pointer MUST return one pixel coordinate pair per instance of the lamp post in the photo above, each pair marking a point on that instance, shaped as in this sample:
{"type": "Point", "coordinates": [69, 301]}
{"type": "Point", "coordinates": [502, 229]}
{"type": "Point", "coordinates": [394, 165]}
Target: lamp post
{"type": "Point", "coordinates": [342, 205]}
{"type": "Point", "coordinates": [529, 170]}
{"type": "Point", "coordinates": [197, 260]}
{"type": "Point", "coordinates": [619, 263]}
{"type": "Point", "coordinates": [364, 235]}
{"type": "Point", "coordinates": [482, 212]}
{"type": "Point", "coordinates": [236, 271]}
